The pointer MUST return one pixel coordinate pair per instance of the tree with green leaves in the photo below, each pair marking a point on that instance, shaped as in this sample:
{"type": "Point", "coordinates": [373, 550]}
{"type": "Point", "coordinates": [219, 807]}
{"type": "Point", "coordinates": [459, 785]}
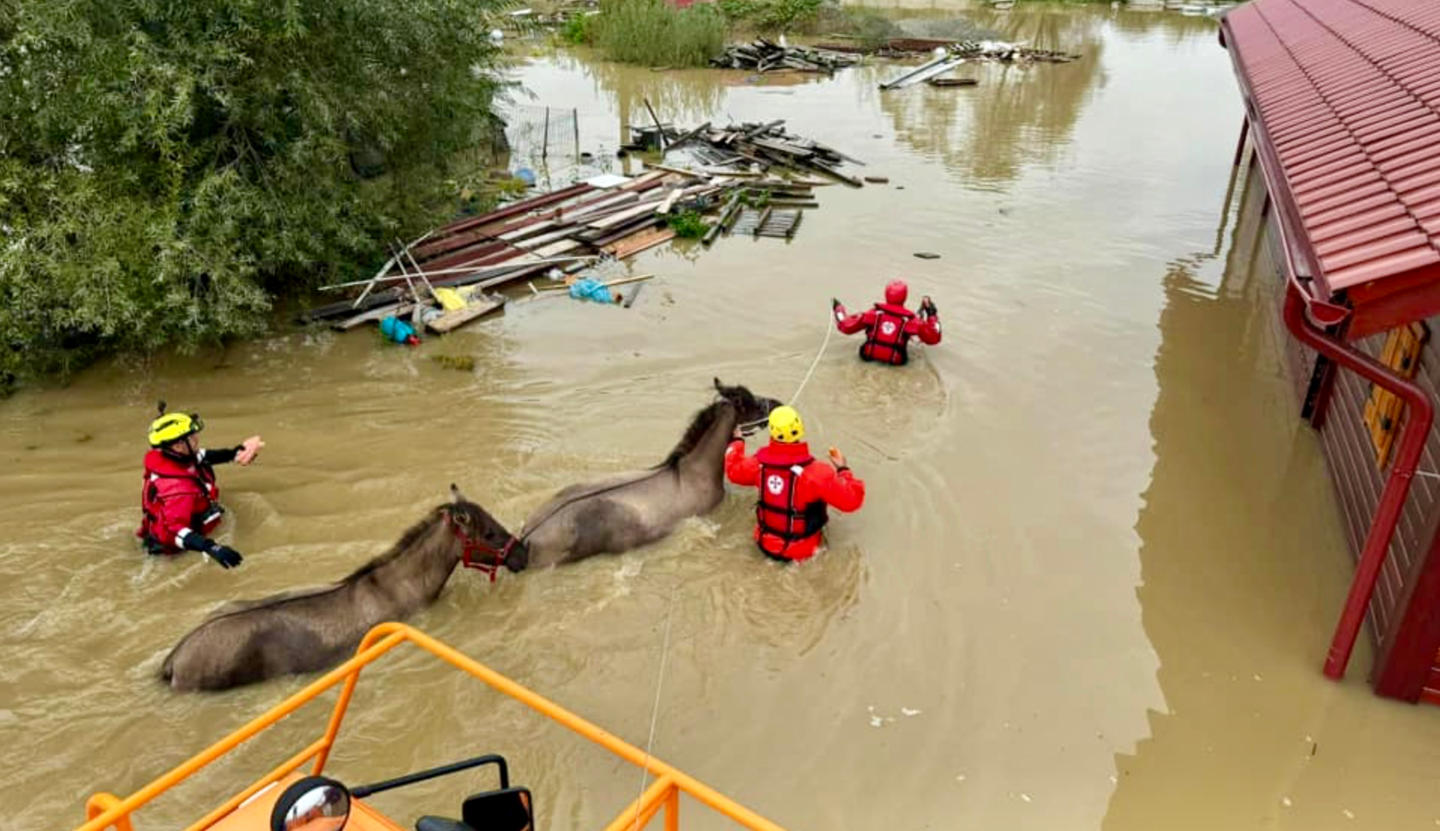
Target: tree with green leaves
{"type": "Point", "coordinates": [168, 169]}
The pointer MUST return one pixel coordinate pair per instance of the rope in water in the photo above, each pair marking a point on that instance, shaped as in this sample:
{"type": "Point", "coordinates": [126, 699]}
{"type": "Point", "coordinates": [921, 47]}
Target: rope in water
{"type": "Point", "coordinates": [809, 373]}
{"type": "Point", "coordinates": [670, 606]}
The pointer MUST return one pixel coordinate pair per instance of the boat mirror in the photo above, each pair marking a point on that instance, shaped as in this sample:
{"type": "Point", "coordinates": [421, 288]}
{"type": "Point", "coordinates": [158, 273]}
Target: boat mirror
{"type": "Point", "coordinates": [314, 803]}
{"type": "Point", "coordinates": [505, 810]}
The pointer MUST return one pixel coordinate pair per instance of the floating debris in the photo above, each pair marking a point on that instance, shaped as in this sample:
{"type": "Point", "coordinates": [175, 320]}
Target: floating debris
{"type": "Point", "coordinates": [462, 363]}
{"type": "Point", "coordinates": [765, 56]}
{"type": "Point", "coordinates": [927, 255]}
{"type": "Point", "coordinates": [952, 82]}
{"type": "Point", "coordinates": [975, 50]}
{"type": "Point", "coordinates": [954, 54]}
{"type": "Point", "coordinates": [767, 222]}
{"type": "Point", "coordinates": [758, 172]}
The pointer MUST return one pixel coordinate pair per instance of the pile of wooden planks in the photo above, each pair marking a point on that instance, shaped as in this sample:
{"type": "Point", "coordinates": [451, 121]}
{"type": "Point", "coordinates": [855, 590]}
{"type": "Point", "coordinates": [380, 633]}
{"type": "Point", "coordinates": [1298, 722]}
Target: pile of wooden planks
{"type": "Point", "coordinates": [607, 217]}
{"type": "Point", "coordinates": [763, 56]}
{"type": "Point", "coordinates": [765, 146]}
{"type": "Point", "coordinates": [978, 51]}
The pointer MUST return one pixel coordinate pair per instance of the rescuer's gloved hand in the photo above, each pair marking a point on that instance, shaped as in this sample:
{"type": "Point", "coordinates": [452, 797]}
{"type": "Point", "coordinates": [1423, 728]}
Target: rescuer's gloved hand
{"type": "Point", "coordinates": [226, 556]}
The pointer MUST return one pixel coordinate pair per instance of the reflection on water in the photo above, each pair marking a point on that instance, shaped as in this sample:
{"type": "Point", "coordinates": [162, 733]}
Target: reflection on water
{"type": "Point", "coordinates": [1241, 546]}
{"type": "Point", "coordinates": [993, 641]}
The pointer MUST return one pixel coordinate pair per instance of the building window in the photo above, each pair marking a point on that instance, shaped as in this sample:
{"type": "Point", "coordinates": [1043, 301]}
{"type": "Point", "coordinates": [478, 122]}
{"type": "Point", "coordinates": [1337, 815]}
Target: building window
{"type": "Point", "coordinates": [1385, 411]}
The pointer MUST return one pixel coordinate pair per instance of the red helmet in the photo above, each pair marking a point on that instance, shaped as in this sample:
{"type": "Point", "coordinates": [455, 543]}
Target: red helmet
{"type": "Point", "coordinates": [896, 292]}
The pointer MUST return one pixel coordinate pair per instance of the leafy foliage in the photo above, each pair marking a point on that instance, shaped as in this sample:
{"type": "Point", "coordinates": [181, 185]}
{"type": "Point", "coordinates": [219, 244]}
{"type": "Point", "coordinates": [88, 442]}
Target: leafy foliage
{"type": "Point", "coordinates": [688, 225]}
{"type": "Point", "coordinates": [578, 29]}
{"type": "Point", "coordinates": [167, 169]}
{"type": "Point", "coordinates": [655, 33]}
{"type": "Point", "coordinates": [771, 15]}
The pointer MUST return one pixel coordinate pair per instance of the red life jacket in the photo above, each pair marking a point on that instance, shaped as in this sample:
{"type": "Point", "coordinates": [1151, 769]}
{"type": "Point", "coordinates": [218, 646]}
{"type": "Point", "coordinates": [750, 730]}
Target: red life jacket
{"type": "Point", "coordinates": [776, 512]}
{"type": "Point", "coordinates": [193, 485]}
{"type": "Point", "coordinates": [887, 340]}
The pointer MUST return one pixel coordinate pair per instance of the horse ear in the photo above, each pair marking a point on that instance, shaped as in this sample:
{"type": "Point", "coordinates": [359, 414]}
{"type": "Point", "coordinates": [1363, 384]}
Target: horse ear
{"type": "Point", "coordinates": [719, 386]}
{"type": "Point", "coordinates": [455, 496]}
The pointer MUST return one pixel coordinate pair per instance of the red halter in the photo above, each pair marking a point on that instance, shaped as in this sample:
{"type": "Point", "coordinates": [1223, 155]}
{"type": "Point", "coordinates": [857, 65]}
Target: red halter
{"type": "Point", "coordinates": [474, 546]}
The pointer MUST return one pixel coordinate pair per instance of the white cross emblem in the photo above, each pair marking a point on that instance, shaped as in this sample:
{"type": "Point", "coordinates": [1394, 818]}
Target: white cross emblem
{"type": "Point", "coordinates": [774, 484]}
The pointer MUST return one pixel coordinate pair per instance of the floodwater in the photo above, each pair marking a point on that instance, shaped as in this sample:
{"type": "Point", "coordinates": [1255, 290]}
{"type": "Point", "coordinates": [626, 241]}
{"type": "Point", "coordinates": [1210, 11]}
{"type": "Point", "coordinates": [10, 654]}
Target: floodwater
{"type": "Point", "coordinates": [1090, 589]}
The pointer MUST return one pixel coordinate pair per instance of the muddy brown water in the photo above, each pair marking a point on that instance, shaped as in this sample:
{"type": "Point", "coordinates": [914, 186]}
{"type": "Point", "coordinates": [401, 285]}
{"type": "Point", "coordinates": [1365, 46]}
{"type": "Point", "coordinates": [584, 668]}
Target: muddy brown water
{"type": "Point", "coordinates": [1091, 587]}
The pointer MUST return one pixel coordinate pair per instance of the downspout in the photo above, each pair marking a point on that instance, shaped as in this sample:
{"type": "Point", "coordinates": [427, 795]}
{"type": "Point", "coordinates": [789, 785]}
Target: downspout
{"type": "Point", "coordinates": [1307, 316]}
{"type": "Point", "coordinates": [1418, 419]}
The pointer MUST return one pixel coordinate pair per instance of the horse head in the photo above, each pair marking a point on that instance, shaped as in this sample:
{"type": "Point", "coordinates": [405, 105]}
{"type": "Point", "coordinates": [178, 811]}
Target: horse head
{"type": "Point", "coordinates": [484, 537]}
{"type": "Point", "coordinates": [749, 408]}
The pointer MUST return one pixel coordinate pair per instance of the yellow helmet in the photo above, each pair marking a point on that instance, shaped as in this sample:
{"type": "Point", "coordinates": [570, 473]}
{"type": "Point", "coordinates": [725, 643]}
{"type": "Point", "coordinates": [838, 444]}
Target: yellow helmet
{"type": "Point", "coordinates": [786, 426]}
{"type": "Point", "coordinates": [173, 427]}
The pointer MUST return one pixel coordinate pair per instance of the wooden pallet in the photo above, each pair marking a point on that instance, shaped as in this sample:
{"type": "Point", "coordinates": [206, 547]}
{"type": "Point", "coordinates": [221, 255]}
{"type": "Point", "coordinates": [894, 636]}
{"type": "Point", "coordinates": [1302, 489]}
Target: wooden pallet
{"type": "Point", "coordinates": [767, 222]}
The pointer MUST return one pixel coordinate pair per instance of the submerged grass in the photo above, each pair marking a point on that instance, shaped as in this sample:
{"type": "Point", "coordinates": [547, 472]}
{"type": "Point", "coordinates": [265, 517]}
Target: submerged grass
{"type": "Point", "coordinates": [654, 33]}
{"type": "Point", "coordinates": [688, 225]}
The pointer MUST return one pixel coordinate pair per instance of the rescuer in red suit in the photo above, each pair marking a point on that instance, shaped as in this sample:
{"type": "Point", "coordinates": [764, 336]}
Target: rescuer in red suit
{"type": "Point", "coordinates": [889, 326]}
{"type": "Point", "coordinates": [179, 500]}
{"type": "Point", "coordinates": [795, 489]}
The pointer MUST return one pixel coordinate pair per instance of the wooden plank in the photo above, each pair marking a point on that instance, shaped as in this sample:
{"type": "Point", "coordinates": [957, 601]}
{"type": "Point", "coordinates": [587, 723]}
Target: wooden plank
{"type": "Point", "coordinates": [529, 230]}
{"type": "Point", "coordinates": [647, 207]}
{"type": "Point", "coordinates": [849, 180]}
{"type": "Point", "coordinates": [546, 239]}
{"type": "Point", "coordinates": [629, 229]}
{"type": "Point", "coordinates": [642, 241]}
{"type": "Point", "coordinates": [600, 206]}
{"type": "Point", "coordinates": [658, 128]}
{"type": "Point", "coordinates": [398, 309]}
{"type": "Point", "coordinates": [619, 281]}
{"type": "Point", "coordinates": [643, 182]}
{"type": "Point", "coordinates": [557, 248]}
{"type": "Point", "coordinates": [686, 137]}
{"type": "Point", "coordinates": [784, 148]}
{"type": "Point", "coordinates": [760, 223]}
{"type": "Point", "coordinates": [451, 320]}
{"type": "Point", "coordinates": [729, 209]}
{"type": "Point", "coordinates": [679, 171]}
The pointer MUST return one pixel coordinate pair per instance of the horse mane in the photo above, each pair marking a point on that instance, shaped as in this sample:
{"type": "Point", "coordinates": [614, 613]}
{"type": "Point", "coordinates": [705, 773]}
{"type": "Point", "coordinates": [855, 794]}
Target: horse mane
{"type": "Point", "coordinates": [698, 426]}
{"type": "Point", "coordinates": [407, 540]}
{"type": "Point", "coordinates": [410, 538]}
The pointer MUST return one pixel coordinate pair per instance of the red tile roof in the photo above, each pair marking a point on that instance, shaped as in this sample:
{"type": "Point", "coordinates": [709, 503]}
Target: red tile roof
{"type": "Point", "coordinates": [1344, 96]}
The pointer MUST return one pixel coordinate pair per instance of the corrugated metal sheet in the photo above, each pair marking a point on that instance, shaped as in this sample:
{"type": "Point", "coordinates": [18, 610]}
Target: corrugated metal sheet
{"type": "Point", "coordinates": [1347, 92]}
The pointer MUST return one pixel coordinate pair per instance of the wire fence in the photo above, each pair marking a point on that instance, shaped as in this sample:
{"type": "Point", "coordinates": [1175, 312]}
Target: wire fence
{"type": "Point", "coordinates": [542, 135]}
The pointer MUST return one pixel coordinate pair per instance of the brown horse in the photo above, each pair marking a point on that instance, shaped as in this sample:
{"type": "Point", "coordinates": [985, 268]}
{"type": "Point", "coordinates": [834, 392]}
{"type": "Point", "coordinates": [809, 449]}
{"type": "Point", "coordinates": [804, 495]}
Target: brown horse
{"type": "Point", "coordinates": [634, 509]}
{"type": "Point", "coordinates": [313, 629]}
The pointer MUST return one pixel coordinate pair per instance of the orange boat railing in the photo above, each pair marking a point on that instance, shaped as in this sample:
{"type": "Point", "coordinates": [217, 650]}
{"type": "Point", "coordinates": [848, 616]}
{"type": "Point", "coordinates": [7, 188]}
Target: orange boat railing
{"type": "Point", "coordinates": [105, 810]}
